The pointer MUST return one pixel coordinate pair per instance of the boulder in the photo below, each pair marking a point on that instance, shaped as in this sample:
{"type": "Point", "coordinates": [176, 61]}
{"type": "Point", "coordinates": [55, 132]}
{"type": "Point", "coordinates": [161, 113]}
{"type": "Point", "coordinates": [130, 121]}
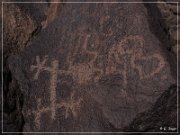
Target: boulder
{"type": "Point", "coordinates": [93, 69]}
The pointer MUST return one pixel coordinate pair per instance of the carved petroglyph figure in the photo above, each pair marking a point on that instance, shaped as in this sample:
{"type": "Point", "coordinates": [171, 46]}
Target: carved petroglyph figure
{"type": "Point", "coordinates": [38, 112]}
{"type": "Point", "coordinates": [121, 52]}
{"type": "Point", "coordinates": [70, 104]}
{"type": "Point", "coordinates": [53, 79]}
{"type": "Point", "coordinates": [82, 72]}
{"type": "Point", "coordinates": [40, 66]}
{"type": "Point", "coordinates": [128, 51]}
{"type": "Point", "coordinates": [161, 64]}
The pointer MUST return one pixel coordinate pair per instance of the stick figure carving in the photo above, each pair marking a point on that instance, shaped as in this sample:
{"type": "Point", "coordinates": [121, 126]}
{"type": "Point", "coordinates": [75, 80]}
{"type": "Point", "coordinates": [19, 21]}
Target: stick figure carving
{"type": "Point", "coordinates": [70, 105]}
{"type": "Point", "coordinates": [53, 79]}
{"type": "Point", "coordinates": [117, 52]}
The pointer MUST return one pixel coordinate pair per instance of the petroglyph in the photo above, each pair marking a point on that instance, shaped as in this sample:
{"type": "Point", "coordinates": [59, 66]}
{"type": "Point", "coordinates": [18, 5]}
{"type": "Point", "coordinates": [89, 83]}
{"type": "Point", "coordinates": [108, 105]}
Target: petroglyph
{"type": "Point", "coordinates": [128, 51]}
{"type": "Point", "coordinates": [161, 64]}
{"type": "Point", "coordinates": [131, 46]}
{"type": "Point", "coordinates": [119, 55]}
{"type": "Point", "coordinates": [53, 78]}
{"type": "Point", "coordinates": [38, 112]}
{"type": "Point", "coordinates": [53, 85]}
{"type": "Point", "coordinates": [122, 52]}
{"type": "Point", "coordinates": [40, 66]}
{"type": "Point", "coordinates": [71, 105]}
{"type": "Point", "coordinates": [83, 72]}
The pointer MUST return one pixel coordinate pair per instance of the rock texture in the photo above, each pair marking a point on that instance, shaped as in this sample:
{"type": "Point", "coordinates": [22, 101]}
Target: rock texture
{"type": "Point", "coordinates": [20, 25]}
{"type": "Point", "coordinates": [160, 117]}
{"type": "Point", "coordinates": [169, 16]}
{"type": "Point", "coordinates": [17, 33]}
{"type": "Point", "coordinates": [92, 68]}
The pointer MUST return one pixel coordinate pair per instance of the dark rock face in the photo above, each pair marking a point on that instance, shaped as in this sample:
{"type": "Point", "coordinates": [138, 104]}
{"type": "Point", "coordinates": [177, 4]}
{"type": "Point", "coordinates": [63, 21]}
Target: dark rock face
{"type": "Point", "coordinates": [169, 14]}
{"type": "Point", "coordinates": [94, 69]}
{"type": "Point", "coordinates": [160, 117]}
{"type": "Point", "coordinates": [20, 25]}
{"type": "Point", "coordinates": [16, 33]}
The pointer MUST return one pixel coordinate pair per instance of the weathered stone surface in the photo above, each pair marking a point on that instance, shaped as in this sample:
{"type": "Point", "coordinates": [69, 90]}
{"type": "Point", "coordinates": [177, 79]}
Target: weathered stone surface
{"type": "Point", "coordinates": [94, 69]}
{"type": "Point", "coordinates": [20, 25]}
{"type": "Point", "coordinates": [169, 18]}
{"type": "Point", "coordinates": [162, 116]}
{"type": "Point", "coordinates": [17, 29]}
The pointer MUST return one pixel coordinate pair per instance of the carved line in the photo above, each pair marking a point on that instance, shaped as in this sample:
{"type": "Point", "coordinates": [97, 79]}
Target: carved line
{"type": "Point", "coordinates": [70, 105]}
{"type": "Point", "coordinates": [53, 85]}
{"type": "Point", "coordinates": [136, 54]}
{"type": "Point", "coordinates": [39, 66]}
{"type": "Point", "coordinates": [160, 66]}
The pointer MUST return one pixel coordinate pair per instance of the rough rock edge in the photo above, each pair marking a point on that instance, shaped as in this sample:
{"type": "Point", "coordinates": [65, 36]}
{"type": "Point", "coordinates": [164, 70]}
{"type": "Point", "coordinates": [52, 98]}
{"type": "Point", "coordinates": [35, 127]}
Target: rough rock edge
{"type": "Point", "coordinates": [163, 114]}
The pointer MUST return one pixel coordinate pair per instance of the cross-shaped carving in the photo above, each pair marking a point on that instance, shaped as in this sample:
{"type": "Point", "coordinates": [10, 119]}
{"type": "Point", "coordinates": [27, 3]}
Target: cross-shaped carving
{"type": "Point", "coordinates": [69, 105]}
{"type": "Point", "coordinates": [53, 79]}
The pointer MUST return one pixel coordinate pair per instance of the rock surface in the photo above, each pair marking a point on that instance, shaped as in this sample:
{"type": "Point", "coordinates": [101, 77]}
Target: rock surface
{"type": "Point", "coordinates": [169, 16]}
{"type": "Point", "coordinates": [20, 25]}
{"type": "Point", "coordinates": [160, 117]}
{"type": "Point", "coordinates": [92, 68]}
